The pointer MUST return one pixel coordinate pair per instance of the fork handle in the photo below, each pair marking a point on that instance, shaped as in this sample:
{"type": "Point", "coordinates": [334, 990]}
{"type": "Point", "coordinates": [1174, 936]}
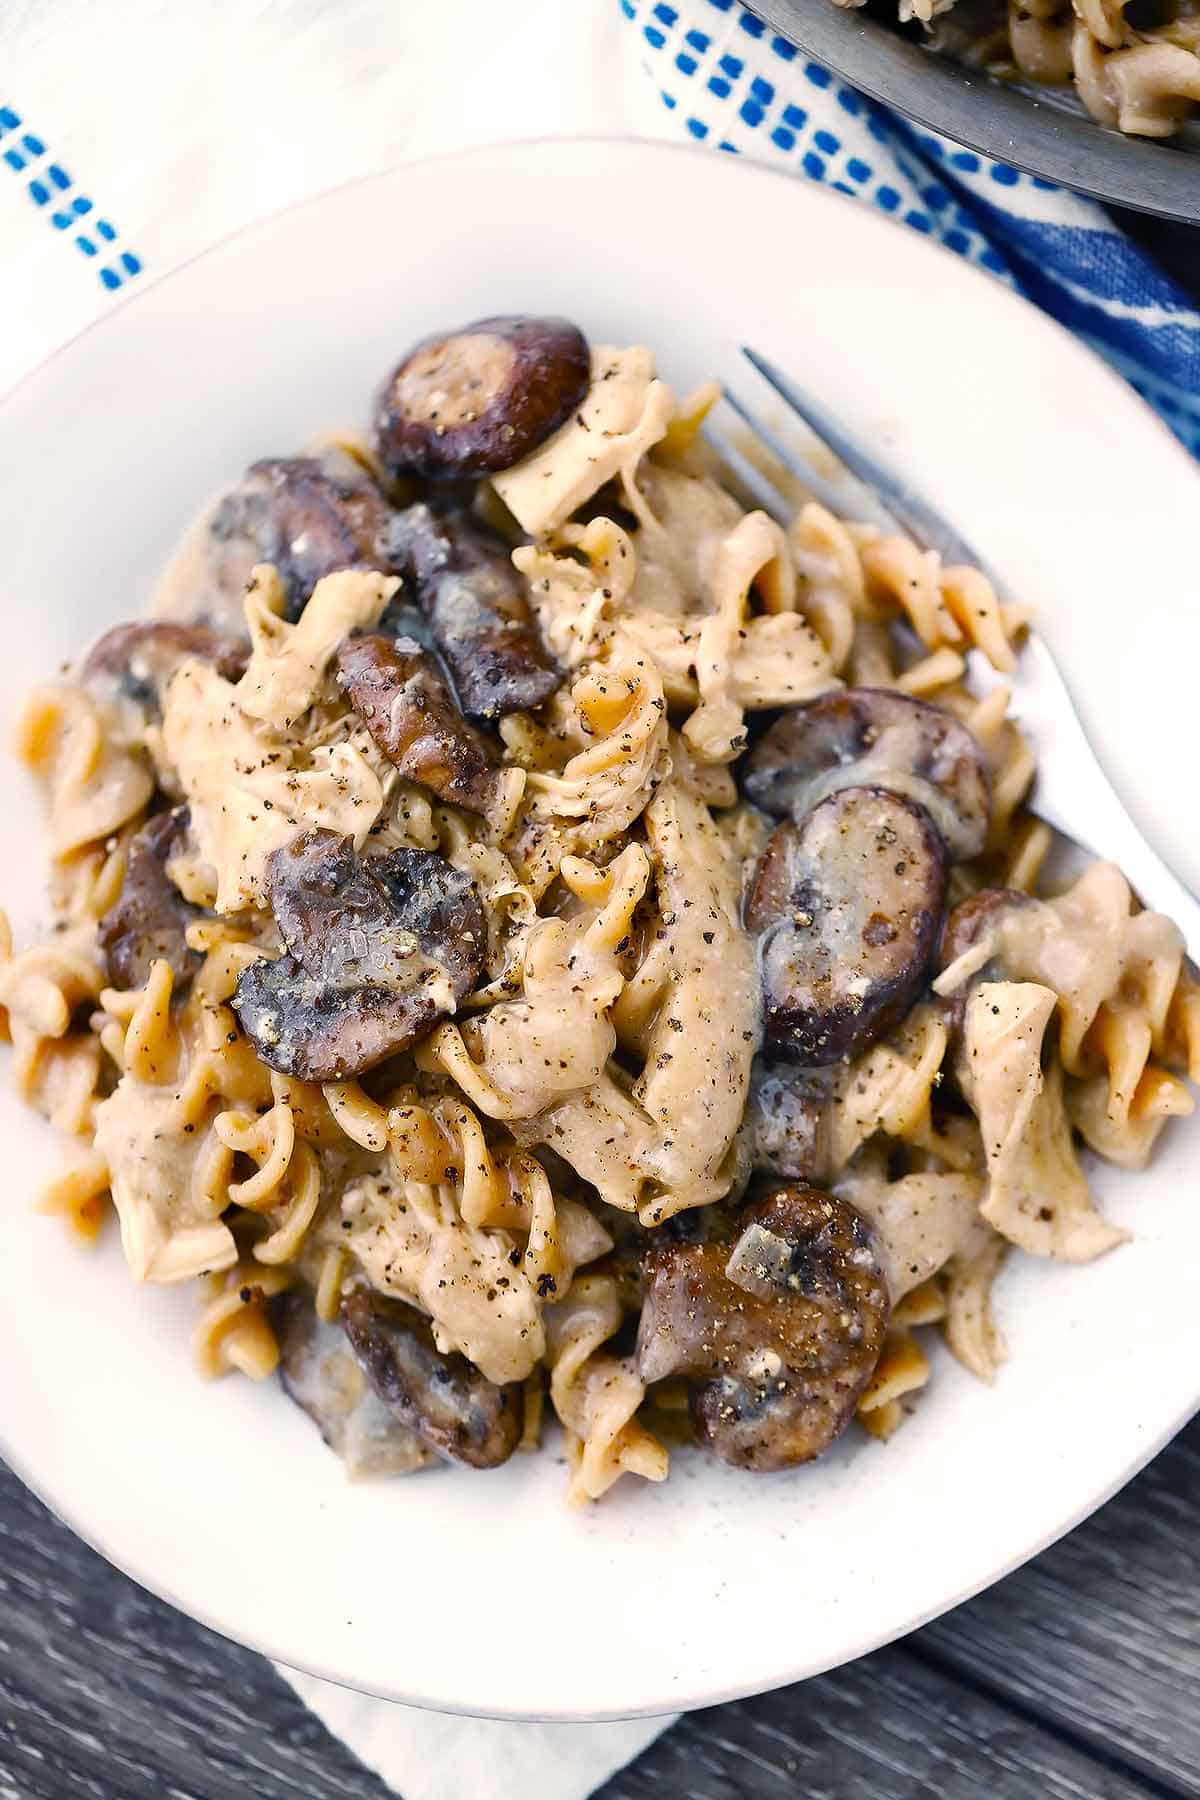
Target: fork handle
{"type": "Point", "coordinates": [1113, 836]}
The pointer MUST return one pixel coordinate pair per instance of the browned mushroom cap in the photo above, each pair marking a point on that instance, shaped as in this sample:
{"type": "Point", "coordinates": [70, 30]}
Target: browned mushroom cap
{"type": "Point", "coordinates": [477, 400]}
{"type": "Point", "coordinates": [398, 691]}
{"type": "Point", "coordinates": [847, 904]}
{"type": "Point", "coordinates": [787, 1121]}
{"type": "Point", "coordinates": [150, 916]}
{"type": "Point", "coordinates": [308, 516]}
{"type": "Point", "coordinates": [475, 602]}
{"type": "Point", "coordinates": [781, 1331]}
{"type": "Point", "coordinates": [132, 664]}
{"type": "Point", "coordinates": [872, 737]}
{"type": "Point", "coordinates": [320, 1372]}
{"type": "Point", "coordinates": [377, 950]}
{"type": "Point", "coordinates": [973, 916]}
{"type": "Point", "coordinates": [454, 1409]}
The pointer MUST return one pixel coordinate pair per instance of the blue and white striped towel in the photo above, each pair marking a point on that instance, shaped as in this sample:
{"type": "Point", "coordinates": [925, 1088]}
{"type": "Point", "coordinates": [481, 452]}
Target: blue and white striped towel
{"type": "Point", "coordinates": [733, 83]}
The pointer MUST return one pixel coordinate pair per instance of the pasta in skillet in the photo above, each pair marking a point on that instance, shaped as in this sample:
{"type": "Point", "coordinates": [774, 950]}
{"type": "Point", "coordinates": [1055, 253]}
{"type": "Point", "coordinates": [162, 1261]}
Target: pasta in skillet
{"type": "Point", "coordinates": [1135, 67]}
{"type": "Point", "coordinates": [569, 938]}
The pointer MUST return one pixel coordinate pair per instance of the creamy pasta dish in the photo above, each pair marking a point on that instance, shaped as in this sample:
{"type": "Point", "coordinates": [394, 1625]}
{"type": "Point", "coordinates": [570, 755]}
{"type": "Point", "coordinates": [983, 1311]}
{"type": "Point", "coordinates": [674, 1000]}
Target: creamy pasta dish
{"type": "Point", "coordinates": [1135, 64]}
{"type": "Point", "coordinates": [528, 926]}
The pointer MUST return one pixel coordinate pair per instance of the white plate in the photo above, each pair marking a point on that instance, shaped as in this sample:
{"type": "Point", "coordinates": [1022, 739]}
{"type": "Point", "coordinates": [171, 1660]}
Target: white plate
{"type": "Point", "coordinates": [482, 1593]}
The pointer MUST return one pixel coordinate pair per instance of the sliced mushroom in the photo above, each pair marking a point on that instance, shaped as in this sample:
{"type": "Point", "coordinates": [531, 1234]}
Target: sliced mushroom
{"type": "Point", "coordinates": [787, 1121]}
{"type": "Point", "coordinates": [873, 737]}
{"type": "Point", "coordinates": [474, 401]}
{"type": "Point", "coordinates": [633, 1241]}
{"type": "Point", "coordinates": [321, 1373]}
{"type": "Point", "coordinates": [475, 602]}
{"type": "Point", "coordinates": [376, 951]}
{"type": "Point", "coordinates": [308, 516]}
{"type": "Point", "coordinates": [974, 916]}
{"type": "Point", "coordinates": [780, 1331]}
{"type": "Point", "coordinates": [969, 923]}
{"type": "Point", "coordinates": [963, 38]}
{"type": "Point", "coordinates": [847, 904]}
{"type": "Point", "coordinates": [441, 1397]}
{"type": "Point", "coordinates": [399, 693]}
{"type": "Point", "coordinates": [130, 666]}
{"type": "Point", "coordinates": [148, 920]}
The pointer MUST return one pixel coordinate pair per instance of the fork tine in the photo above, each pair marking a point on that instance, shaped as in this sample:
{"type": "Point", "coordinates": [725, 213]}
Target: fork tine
{"type": "Point", "coordinates": [752, 479]}
{"type": "Point", "coordinates": [817, 484]}
{"type": "Point", "coordinates": [916, 515]}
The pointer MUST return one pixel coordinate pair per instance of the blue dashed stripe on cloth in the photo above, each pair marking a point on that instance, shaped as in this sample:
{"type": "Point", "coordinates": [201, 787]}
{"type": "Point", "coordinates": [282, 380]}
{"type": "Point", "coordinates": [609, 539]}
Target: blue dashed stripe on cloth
{"type": "Point", "coordinates": [740, 87]}
{"type": "Point", "coordinates": [49, 187]}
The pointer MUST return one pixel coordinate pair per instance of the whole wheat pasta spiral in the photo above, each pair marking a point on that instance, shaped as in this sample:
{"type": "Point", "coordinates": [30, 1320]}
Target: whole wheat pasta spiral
{"type": "Point", "coordinates": [596, 1395]}
{"type": "Point", "coordinates": [91, 784]}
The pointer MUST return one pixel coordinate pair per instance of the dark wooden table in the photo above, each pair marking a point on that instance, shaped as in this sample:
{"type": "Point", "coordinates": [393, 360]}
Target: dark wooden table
{"type": "Point", "coordinates": [1078, 1678]}
{"type": "Point", "coordinates": [1075, 1679]}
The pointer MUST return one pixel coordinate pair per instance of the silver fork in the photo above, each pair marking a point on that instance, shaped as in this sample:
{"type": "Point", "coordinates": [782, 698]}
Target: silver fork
{"type": "Point", "coordinates": [1071, 792]}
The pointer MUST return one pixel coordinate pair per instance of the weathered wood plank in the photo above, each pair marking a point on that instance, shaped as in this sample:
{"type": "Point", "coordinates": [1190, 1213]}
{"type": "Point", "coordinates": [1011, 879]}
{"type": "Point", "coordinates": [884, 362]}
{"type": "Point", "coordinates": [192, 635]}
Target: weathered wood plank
{"type": "Point", "coordinates": [885, 1728]}
{"type": "Point", "coordinates": [108, 1694]}
{"type": "Point", "coordinates": [1102, 1632]}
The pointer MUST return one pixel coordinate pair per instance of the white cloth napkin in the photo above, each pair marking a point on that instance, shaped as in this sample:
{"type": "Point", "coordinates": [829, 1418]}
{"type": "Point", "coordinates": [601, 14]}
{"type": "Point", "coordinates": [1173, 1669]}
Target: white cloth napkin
{"type": "Point", "coordinates": [153, 129]}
